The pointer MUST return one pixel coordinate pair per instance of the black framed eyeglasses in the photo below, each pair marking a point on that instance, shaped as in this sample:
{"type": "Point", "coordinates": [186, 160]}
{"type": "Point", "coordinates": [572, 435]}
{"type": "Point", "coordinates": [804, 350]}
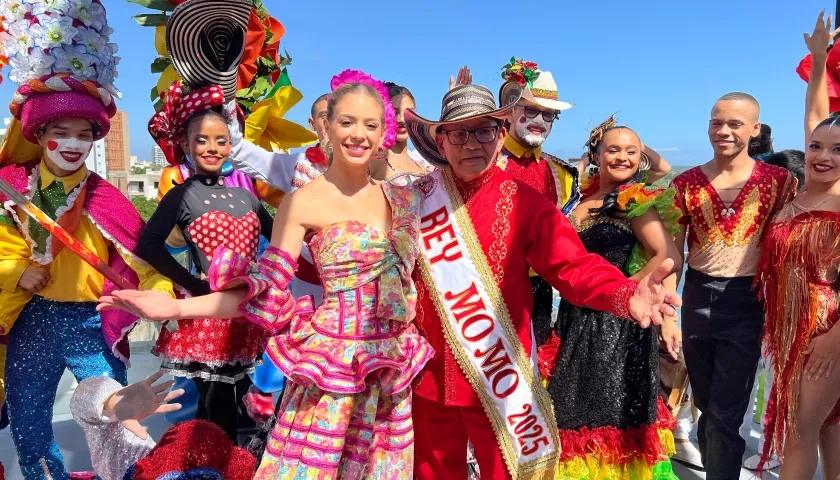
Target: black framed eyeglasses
{"type": "Point", "coordinates": [461, 137]}
{"type": "Point", "coordinates": [549, 116]}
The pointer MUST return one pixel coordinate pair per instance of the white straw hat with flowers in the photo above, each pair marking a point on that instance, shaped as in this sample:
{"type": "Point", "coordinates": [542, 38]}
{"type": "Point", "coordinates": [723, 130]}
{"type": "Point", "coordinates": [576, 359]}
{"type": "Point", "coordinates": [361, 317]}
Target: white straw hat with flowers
{"type": "Point", "coordinates": [537, 87]}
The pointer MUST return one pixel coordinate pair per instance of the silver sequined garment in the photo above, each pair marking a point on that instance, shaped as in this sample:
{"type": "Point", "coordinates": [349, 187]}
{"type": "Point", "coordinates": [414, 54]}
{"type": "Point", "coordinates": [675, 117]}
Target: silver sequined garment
{"type": "Point", "coordinates": [113, 448]}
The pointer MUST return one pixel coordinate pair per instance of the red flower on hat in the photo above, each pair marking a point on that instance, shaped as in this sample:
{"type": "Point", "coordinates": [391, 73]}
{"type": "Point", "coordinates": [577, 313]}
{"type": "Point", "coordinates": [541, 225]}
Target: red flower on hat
{"type": "Point", "coordinates": [832, 69]}
{"type": "Point", "coordinates": [195, 449]}
{"type": "Point", "coordinates": [167, 125]}
{"type": "Point", "coordinates": [520, 71]}
{"type": "Point", "coordinates": [257, 46]}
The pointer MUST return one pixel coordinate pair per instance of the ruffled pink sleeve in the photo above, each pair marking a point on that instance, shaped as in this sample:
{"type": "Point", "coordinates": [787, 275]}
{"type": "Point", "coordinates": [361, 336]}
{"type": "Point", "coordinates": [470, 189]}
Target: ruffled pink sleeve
{"type": "Point", "coordinates": [269, 302]}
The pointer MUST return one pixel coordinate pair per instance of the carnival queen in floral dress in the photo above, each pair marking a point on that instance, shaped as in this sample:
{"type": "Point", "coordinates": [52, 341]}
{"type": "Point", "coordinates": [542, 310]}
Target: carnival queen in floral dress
{"type": "Point", "coordinates": [346, 411]}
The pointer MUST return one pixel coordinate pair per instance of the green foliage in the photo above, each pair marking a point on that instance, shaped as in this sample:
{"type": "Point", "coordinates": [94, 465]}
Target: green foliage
{"type": "Point", "coordinates": [160, 64]}
{"type": "Point", "coordinates": [138, 170]}
{"type": "Point", "coordinates": [151, 19]}
{"type": "Point", "coordinates": [145, 207]}
{"type": "Point", "coordinates": [271, 210]}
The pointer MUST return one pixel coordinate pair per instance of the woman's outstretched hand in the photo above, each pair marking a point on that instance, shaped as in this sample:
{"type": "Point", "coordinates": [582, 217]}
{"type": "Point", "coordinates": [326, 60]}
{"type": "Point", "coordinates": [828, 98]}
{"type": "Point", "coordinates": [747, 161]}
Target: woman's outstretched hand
{"type": "Point", "coordinates": [149, 304]}
{"type": "Point", "coordinates": [651, 302]}
{"type": "Point", "coordinates": [131, 404]}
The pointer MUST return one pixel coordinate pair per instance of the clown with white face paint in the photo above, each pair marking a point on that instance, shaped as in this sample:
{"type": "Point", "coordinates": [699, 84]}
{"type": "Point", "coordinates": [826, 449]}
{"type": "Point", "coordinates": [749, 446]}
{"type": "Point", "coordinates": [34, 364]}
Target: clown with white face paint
{"type": "Point", "coordinates": [531, 128]}
{"type": "Point", "coordinates": [538, 107]}
{"type": "Point", "coordinates": [48, 294]}
{"type": "Point", "coordinates": [67, 144]}
{"type": "Point", "coordinates": [531, 121]}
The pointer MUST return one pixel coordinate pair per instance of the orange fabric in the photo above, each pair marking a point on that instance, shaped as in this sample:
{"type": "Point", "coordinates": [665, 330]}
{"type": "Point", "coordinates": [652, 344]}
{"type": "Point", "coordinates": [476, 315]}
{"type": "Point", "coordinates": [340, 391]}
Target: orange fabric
{"type": "Point", "coordinates": [255, 46]}
{"type": "Point", "coordinates": [69, 222]}
{"type": "Point", "coordinates": [168, 178]}
{"type": "Point", "coordinates": [268, 194]}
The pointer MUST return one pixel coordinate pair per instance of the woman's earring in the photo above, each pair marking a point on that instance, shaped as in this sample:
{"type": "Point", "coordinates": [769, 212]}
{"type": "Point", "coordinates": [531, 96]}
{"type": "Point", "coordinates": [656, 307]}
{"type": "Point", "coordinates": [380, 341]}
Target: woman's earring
{"type": "Point", "coordinates": [327, 147]}
{"type": "Point", "coordinates": [381, 154]}
{"type": "Point", "coordinates": [644, 162]}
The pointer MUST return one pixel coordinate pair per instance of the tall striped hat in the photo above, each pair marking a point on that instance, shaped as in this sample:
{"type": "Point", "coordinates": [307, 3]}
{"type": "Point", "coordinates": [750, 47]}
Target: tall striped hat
{"type": "Point", "coordinates": [463, 102]}
{"type": "Point", "coordinates": [206, 41]}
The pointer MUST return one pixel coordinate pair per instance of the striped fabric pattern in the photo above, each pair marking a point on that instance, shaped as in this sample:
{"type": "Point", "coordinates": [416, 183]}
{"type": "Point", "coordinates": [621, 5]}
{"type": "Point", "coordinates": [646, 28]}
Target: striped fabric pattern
{"type": "Point", "coordinates": [206, 41]}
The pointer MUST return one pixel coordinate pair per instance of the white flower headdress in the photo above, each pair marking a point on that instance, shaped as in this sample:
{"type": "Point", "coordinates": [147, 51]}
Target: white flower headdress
{"type": "Point", "coordinates": [52, 37]}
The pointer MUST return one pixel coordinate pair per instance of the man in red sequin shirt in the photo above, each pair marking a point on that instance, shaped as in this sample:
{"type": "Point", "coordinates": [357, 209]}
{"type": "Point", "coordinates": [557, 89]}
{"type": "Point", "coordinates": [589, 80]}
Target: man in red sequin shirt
{"type": "Point", "coordinates": [481, 232]}
{"type": "Point", "coordinates": [726, 204]}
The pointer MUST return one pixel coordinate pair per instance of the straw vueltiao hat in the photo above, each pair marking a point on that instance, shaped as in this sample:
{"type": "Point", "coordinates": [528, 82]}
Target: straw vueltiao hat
{"type": "Point", "coordinates": [206, 41]}
{"type": "Point", "coordinates": [463, 102]}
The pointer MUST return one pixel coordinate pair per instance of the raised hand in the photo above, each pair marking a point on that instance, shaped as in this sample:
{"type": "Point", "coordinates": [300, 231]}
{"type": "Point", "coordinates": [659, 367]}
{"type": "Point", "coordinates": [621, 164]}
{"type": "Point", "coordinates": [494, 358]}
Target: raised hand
{"type": "Point", "coordinates": [141, 400]}
{"type": "Point", "coordinates": [822, 36]}
{"type": "Point", "coordinates": [235, 129]}
{"type": "Point", "coordinates": [149, 304]}
{"type": "Point", "coordinates": [651, 301]}
{"type": "Point", "coordinates": [464, 78]}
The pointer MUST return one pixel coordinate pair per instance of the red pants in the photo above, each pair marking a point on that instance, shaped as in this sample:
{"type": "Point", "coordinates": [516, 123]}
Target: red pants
{"type": "Point", "coordinates": [440, 442]}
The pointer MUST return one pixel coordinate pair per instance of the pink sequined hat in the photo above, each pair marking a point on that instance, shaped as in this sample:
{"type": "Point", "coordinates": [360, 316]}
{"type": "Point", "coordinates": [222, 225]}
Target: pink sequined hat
{"type": "Point", "coordinates": [39, 109]}
{"type": "Point", "coordinates": [63, 62]}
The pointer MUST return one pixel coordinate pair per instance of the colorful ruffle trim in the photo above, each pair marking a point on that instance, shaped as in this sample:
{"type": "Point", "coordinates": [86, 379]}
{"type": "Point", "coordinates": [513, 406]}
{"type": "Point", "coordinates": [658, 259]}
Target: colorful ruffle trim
{"type": "Point", "coordinates": [591, 468]}
{"type": "Point", "coordinates": [345, 365]}
{"type": "Point", "coordinates": [635, 200]}
{"type": "Point", "coordinates": [625, 453]}
{"type": "Point", "coordinates": [547, 357]}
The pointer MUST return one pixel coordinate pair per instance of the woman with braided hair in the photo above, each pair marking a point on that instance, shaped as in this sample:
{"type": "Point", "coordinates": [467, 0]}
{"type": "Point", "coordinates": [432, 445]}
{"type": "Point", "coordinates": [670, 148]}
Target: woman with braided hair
{"type": "Point", "coordinates": [48, 293]}
{"type": "Point", "coordinates": [605, 380]}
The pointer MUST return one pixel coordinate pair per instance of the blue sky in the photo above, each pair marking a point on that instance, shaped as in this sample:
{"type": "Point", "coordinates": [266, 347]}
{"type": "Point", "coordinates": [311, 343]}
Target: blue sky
{"type": "Point", "coordinates": [660, 66]}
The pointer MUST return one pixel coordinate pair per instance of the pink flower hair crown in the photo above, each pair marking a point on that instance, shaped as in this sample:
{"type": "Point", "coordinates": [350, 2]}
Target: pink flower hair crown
{"type": "Point", "coordinates": [358, 76]}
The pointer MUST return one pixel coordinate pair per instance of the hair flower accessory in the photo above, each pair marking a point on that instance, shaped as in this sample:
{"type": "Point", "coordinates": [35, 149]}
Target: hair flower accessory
{"type": "Point", "coordinates": [596, 135]}
{"type": "Point", "coordinates": [521, 72]}
{"type": "Point", "coordinates": [358, 76]}
{"type": "Point", "coordinates": [167, 125]}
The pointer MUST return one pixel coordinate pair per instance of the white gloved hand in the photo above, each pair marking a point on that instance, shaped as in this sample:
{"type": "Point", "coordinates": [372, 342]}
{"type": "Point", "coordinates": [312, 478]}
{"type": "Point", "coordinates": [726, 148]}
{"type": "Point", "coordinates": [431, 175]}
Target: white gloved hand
{"type": "Point", "coordinates": [235, 131]}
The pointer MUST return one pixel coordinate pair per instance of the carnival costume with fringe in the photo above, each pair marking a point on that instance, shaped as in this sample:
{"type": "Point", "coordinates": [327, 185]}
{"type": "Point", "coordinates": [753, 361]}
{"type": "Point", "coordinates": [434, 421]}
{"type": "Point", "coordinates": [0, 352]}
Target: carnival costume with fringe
{"type": "Point", "coordinates": [65, 66]}
{"type": "Point", "coordinates": [797, 277]}
{"type": "Point", "coordinates": [211, 213]}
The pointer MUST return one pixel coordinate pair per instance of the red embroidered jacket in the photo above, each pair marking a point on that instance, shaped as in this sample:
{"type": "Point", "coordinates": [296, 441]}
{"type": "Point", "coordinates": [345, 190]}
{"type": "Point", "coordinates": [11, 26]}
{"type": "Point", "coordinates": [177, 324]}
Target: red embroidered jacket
{"type": "Point", "coordinates": [518, 229]}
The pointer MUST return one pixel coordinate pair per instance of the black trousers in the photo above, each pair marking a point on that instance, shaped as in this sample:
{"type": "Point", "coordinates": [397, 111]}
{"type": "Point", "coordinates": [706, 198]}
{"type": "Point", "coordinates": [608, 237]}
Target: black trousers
{"type": "Point", "coordinates": [722, 322]}
{"type": "Point", "coordinates": [221, 403]}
